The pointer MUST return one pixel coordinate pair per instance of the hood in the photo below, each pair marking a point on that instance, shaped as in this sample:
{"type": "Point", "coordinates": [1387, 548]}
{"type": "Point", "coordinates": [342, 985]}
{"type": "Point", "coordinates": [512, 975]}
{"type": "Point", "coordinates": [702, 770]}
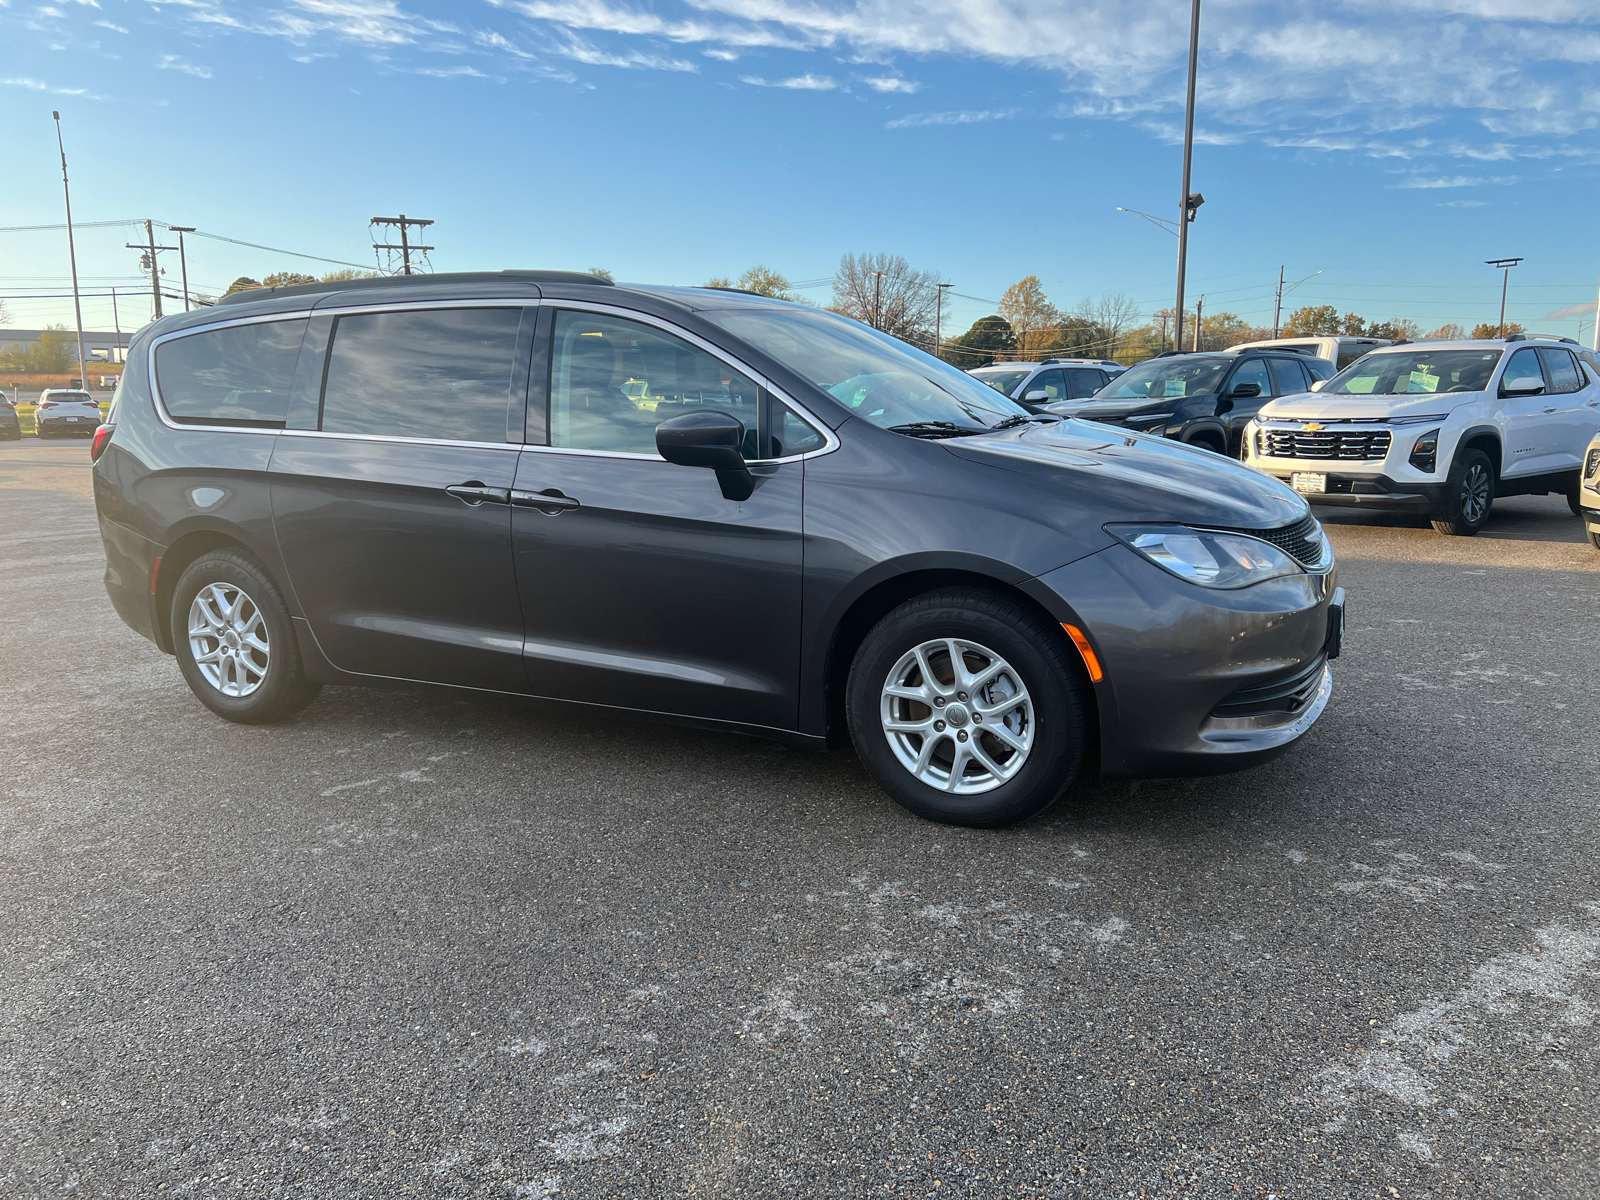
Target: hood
{"type": "Point", "coordinates": [1320, 405]}
{"type": "Point", "coordinates": [1134, 477]}
{"type": "Point", "coordinates": [1115, 410]}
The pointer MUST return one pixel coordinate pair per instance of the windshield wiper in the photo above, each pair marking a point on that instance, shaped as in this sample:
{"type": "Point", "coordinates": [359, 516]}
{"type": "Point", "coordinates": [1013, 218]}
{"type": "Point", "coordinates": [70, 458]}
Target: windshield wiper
{"type": "Point", "coordinates": [1012, 422]}
{"type": "Point", "coordinates": [935, 429]}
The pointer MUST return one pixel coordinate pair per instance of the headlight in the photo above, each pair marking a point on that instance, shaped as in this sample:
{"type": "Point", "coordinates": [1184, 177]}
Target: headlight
{"type": "Point", "coordinates": [1591, 467]}
{"type": "Point", "coordinates": [1417, 420]}
{"type": "Point", "coordinates": [1425, 454]}
{"type": "Point", "coordinates": [1203, 556]}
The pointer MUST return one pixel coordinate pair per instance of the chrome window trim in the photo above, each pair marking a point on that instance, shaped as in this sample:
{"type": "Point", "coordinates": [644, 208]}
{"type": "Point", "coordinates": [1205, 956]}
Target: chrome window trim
{"type": "Point", "coordinates": [385, 437]}
{"type": "Point", "coordinates": [830, 440]}
{"type": "Point", "coordinates": [165, 417]}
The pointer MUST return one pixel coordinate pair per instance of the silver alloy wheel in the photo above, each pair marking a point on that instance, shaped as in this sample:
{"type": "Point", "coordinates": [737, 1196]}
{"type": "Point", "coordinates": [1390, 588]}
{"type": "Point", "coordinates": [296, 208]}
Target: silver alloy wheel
{"type": "Point", "coordinates": [957, 716]}
{"type": "Point", "coordinates": [228, 639]}
{"type": "Point", "coordinates": [1475, 493]}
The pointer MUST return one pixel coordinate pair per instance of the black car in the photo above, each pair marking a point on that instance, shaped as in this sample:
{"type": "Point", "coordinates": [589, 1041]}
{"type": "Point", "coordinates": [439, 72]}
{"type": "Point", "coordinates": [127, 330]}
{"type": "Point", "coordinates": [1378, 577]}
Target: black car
{"type": "Point", "coordinates": [1203, 400]}
{"type": "Point", "coordinates": [10, 425]}
{"type": "Point", "coordinates": [704, 506]}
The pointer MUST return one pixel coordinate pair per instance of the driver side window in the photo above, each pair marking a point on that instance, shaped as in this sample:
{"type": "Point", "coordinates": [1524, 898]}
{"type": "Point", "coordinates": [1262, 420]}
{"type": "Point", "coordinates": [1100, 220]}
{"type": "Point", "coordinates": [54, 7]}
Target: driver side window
{"type": "Point", "coordinates": [612, 381]}
{"type": "Point", "coordinates": [1254, 371]}
{"type": "Point", "coordinates": [1524, 364]}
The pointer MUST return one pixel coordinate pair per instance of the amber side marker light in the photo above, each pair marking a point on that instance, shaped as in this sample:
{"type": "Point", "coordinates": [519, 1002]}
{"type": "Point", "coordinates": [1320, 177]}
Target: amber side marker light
{"type": "Point", "coordinates": [1090, 659]}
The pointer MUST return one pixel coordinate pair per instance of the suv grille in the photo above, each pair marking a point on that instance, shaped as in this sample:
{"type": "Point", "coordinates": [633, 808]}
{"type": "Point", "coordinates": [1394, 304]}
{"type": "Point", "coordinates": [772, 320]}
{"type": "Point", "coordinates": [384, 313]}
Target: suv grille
{"type": "Point", "coordinates": [1325, 443]}
{"type": "Point", "coordinates": [1286, 694]}
{"type": "Point", "coordinates": [1303, 541]}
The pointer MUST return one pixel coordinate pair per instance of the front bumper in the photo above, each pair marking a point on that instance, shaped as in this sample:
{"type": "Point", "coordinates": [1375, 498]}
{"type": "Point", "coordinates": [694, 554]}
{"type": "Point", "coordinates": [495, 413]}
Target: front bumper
{"type": "Point", "coordinates": [1356, 491]}
{"type": "Point", "coordinates": [1174, 653]}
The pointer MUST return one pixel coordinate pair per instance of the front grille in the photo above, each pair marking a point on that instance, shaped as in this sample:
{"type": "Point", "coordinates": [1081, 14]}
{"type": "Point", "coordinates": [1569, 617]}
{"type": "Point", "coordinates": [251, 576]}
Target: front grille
{"type": "Point", "coordinates": [1286, 694]}
{"type": "Point", "coordinates": [1302, 541]}
{"type": "Point", "coordinates": [1326, 443]}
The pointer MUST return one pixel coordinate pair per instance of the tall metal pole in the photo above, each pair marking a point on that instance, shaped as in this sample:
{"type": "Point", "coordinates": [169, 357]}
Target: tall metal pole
{"type": "Point", "coordinates": [183, 260]}
{"type": "Point", "coordinates": [1199, 321]}
{"type": "Point", "coordinates": [938, 320]}
{"type": "Point", "coordinates": [1277, 309]}
{"type": "Point", "coordinates": [72, 255]}
{"type": "Point", "coordinates": [1505, 283]}
{"type": "Point", "coordinates": [155, 274]}
{"type": "Point", "coordinates": [116, 323]}
{"type": "Point", "coordinates": [1188, 156]}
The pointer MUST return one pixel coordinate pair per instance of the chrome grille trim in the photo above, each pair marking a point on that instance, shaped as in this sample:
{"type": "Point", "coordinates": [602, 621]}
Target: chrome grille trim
{"type": "Point", "coordinates": [1326, 444]}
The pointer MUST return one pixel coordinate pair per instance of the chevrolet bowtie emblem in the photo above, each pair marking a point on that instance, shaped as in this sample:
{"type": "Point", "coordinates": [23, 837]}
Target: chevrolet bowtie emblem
{"type": "Point", "coordinates": [1313, 426]}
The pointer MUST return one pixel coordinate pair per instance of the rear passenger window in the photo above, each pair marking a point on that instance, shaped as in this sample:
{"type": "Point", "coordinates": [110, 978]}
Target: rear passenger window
{"type": "Point", "coordinates": [1561, 370]}
{"type": "Point", "coordinates": [443, 374]}
{"type": "Point", "coordinates": [1083, 382]}
{"type": "Point", "coordinates": [1288, 376]}
{"type": "Point", "coordinates": [612, 381]}
{"type": "Point", "coordinates": [238, 375]}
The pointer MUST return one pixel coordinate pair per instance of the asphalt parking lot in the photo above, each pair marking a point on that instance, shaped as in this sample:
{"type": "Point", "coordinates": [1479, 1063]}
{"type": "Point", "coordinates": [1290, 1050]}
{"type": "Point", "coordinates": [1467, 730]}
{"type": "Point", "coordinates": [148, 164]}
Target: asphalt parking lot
{"type": "Point", "coordinates": [420, 944]}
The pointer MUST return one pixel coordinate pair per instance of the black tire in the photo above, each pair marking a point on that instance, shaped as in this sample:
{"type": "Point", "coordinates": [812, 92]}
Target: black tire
{"type": "Point", "coordinates": [1575, 500]}
{"type": "Point", "coordinates": [1594, 539]}
{"type": "Point", "coordinates": [1469, 495]}
{"type": "Point", "coordinates": [1037, 651]}
{"type": "Point", "coordinates": [282, 690]}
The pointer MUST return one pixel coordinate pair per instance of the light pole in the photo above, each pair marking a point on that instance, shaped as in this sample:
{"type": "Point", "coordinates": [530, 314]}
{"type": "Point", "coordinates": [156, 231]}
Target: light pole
{"type": "Point", "coordinates": [1505, 265]}
{"type": "Point", "coordinates": [72, 255]}
{"type": "Point", "coordinates": [1277, 311]}
{"type": "Point", "coordinates": [1189, 202]}
{"type": "Point", "coordinates": [183, 261]}
{"type": "Point", "coordinates": [938, 319]}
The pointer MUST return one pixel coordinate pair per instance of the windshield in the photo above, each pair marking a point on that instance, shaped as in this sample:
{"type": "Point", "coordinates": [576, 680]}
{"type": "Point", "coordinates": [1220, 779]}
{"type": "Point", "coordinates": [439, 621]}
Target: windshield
{"type": "Point", "coordinates": [876, 377]}
{"type": "Point", "coordinates": [1415, 371]}
{"type": "Point", "coordinates": [1158, 377]}
{"type": "Point", "coordinates": [1004, 382]}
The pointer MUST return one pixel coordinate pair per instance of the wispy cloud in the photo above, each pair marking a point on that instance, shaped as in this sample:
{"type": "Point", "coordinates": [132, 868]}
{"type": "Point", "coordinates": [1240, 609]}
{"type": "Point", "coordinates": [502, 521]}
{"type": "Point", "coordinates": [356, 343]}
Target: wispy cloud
{"type": "Point", "coordinates": [893, 84]}
{"type": "Point", "coordinates": [171, 62]}
{"type": "Point", "coordinates": [109, 25]}
{"type": "Point", "coordinates": [1453, 181]}
{"type": "Point", "coordinates": [721, 55]}
{"type": "Point", "coordinates": [450, 72]}
{"type": "Point", "coordinates": [1571, 312]}
{"type": "Point", "coordinates": [799, 83]}
{"type": "Point", "coordinates": [965, 117]}
{"type": "Point", "coordinates": [583, 52]}
{"type": "Point", "coordinates": [36, 85]}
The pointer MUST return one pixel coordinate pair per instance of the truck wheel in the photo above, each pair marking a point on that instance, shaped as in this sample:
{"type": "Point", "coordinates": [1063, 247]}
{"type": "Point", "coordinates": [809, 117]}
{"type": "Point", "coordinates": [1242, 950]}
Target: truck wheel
{"type": "Point", "coordinates": [1469, 495]}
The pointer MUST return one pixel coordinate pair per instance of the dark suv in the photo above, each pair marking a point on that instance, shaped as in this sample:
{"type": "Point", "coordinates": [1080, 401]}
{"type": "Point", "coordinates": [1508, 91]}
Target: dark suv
{"type": "Point", "coordinates": [723, 509]}
{"type": "Point", "coordinates": [1203, 400]}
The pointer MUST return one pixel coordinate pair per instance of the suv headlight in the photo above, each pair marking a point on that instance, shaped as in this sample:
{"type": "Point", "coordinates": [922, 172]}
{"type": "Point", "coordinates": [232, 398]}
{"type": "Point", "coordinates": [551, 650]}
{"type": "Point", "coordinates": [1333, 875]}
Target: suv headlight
{"type": "Point", "coordinates": [1205, 556]}
{"type": "Point", "coordinates": [1425, 454]}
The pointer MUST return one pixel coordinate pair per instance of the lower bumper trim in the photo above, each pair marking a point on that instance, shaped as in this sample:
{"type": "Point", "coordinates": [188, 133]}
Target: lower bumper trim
{"type": "Point", "coordinates": [1247, 735]}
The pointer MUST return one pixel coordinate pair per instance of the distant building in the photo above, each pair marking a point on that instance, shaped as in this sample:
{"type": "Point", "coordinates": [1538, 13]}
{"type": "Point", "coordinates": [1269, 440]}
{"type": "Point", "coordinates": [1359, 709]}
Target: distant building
{"type": "Point", "coordinates": [98, 345]}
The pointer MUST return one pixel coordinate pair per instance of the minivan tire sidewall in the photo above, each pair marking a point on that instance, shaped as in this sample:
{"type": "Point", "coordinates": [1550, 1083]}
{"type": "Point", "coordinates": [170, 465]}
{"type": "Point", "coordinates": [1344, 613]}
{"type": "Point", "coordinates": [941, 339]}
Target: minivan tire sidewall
{"type": "Point", "coordinates": [285, 690]}
{"type": "Point", "coordinates": [1034, 648]}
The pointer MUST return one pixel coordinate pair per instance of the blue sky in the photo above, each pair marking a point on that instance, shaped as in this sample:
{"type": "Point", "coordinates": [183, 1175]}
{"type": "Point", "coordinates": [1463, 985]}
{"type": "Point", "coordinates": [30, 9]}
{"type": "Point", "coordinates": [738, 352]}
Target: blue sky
{"type": "Point", "coordinates": [1392, 145]}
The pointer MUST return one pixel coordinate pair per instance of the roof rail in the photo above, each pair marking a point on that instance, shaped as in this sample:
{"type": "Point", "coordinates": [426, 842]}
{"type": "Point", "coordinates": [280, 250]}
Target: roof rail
{"type": "Point", "coordinates": [388, 281]}
{"type": "Point", "coordinates": [1516, 337]}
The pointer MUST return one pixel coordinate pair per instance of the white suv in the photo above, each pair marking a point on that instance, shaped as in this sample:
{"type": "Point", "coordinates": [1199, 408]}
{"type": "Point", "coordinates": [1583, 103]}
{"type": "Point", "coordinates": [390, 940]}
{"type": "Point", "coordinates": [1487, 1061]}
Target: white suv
{"type": "Point", "coordinates": [1588, 499]}
{"type": "Point", "coordinates": [1033, 385]}
{"type": "Point", "coordinates": [1441, 428]}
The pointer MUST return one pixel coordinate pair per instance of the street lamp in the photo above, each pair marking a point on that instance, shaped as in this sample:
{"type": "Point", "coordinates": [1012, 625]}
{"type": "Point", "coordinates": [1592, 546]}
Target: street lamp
{"type": "Point", "coordinates": [72, 255]}
{"type": "Point", "coordinates": [1277, 310]}
{"type": "Point", "coordinates": [1189, 202]}
{"type": "Point", "coordinates": [1505, 265]}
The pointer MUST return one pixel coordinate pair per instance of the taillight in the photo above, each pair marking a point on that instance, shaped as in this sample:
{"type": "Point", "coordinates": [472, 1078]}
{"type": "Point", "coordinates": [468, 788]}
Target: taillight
{"type": "Point", "coordinates": [102, 439]}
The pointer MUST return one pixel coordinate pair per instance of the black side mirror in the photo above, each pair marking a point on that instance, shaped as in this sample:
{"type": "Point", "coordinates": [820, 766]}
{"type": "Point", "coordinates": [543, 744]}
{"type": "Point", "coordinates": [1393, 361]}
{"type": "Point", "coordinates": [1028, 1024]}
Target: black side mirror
{"type": "Point", "coordinates": [708, 439]}
{"type": "Point", "coordinates": [1243, 390]}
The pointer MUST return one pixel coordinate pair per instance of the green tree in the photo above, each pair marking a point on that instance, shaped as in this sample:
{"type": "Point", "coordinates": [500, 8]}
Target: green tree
{"type": "Point", "coordinates": [603, 273]}
{"type": "Point", "coordinates": [346, 273]}
{"type": "Point", "coordinates": [763, 281]}
{"type": "Point", "coordinates": [1395, 329]}
{"type": "Point", "coordinates": [242, 284]}
{"type": "Point", "coordinates": [978, 346]}
{"type": "Point", "coordinates": [1320, 320]}
{"type": "Point", "coordinates": [282, 279]}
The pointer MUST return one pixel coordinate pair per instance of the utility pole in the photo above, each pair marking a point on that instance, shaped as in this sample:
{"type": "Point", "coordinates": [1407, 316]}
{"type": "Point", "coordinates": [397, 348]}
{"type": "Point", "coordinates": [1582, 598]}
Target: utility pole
{"type": "Point", "coordinates": [1505, 265]}
{"type": "Point", "coordinates": [150, 252]}
{"type": "Point", "coordinates": [877, 299]}
{"type": "Point", "coordinates": [116, 323]}
{"type": "Point", "coordinates": [1189, 203]}
{"type": "Point", "coordinates": [405, 247]}
{"type": "Point", "coordinates": [938, 320]}
{"type": "Point", "coordinates": [1277, 312]}
{"type": "Point", "coordinates": [183, 259]}
{"type": "Point", "coordinates": [1199, 322]}
{"type": "Point", "coordinates": [72, 255]}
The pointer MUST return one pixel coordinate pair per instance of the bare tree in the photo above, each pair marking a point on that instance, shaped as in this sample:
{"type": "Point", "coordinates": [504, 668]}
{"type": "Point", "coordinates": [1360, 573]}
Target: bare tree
{"type": "Point", "coordinates": [1033, 319]}
{"type": "Point", "coordinates": [1111, 316]}
{"type": "Point", "coordinates": [882, 290]}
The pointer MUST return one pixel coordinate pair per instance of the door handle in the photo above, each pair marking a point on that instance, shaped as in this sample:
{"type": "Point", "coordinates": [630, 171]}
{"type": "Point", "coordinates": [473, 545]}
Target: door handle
{"type": "Point", "coordinates": [550, 501]}
{"type": "Point", "coordinates": [1550, 409]}
{"type": "Point", "coordinates": [474, 492]}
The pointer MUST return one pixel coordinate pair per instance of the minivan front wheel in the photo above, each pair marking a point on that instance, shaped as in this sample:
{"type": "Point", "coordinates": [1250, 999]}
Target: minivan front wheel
{"type": "Point", "coordinates": [235, 643]}
{"type": "Point", "coordinates": [966, 709]}
{"type": "Point", "coordinates": [1469, 495]}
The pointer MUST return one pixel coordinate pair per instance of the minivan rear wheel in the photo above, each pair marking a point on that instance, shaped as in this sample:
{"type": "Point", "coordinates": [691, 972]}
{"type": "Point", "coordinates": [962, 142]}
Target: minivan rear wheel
{"type": "Point", "coordinates": [966, 709]}
{"type": "Point", "coordinates": [235, 643]}
{"type": "Point", "coordinates": [1469, 495]}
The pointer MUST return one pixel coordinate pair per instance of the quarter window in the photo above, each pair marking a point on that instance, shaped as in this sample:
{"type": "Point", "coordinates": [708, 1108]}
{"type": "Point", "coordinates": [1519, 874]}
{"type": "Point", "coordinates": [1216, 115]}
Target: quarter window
{"type": "Point", "coordinates": [238, 375]}
{"type": "Point", "coordinates": [443, 374]}
{"type": "Point", "coordinates": [790, 434]}
{"type": "Point", "coordinates": [1289, 376]}
{"type": "Point", "coordinates": [612, 381]}
{"type": "Point", "coordinates": [1561, 370]}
